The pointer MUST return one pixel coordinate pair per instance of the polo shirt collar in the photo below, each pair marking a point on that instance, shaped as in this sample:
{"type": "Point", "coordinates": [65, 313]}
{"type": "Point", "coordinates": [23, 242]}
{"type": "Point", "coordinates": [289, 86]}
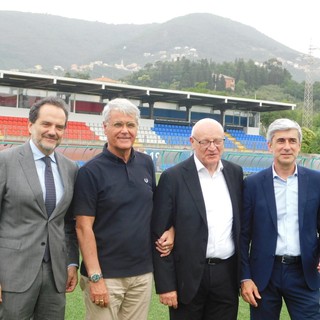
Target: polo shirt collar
{"type": "Point", "coordinates": [113, 157]}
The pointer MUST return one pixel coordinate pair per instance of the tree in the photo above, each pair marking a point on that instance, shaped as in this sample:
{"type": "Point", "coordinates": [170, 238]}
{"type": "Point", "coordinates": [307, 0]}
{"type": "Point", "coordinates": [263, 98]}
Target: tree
{"type": "Point", "coordinates": [241, 88]}
{"type": "Point", "coordinates": [314, 145]}
{"type": "Point", "coordinates": [144, 80]}
{"type": "Point", "coordinates": [308, 136]}
{"type": "Point", "coordinates": [78, 75]}
{"type": "Point", "coordinates": [267, 118]}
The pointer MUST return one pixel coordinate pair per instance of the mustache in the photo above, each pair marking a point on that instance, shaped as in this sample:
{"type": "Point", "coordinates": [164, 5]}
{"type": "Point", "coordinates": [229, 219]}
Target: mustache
{"type": "Point", "coordinates": [50, 136]}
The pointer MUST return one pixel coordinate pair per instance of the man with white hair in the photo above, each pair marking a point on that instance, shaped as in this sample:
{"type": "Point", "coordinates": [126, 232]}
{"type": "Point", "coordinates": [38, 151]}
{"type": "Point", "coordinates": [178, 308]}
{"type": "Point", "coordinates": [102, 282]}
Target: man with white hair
{"type": "Point", "coordinates": [113, 201]}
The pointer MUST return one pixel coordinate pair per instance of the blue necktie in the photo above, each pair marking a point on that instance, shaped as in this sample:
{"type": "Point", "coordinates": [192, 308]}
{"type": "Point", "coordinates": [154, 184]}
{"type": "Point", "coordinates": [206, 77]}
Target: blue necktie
{"type": "Point", "coordinates": [50, 200]}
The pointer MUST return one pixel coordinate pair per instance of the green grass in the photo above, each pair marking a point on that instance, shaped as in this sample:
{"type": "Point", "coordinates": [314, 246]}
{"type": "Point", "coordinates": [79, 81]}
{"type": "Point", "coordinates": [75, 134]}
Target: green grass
{"type": "Point", "coordinates": [75, 308]}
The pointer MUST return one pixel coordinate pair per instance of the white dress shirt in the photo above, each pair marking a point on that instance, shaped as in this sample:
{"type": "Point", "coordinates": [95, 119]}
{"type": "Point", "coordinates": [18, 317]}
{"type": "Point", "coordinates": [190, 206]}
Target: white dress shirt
{"type": "Point", "coordinates": [40, 165]}
{"type": "Point", "coordinates": [286, 194]}
{"type": "Point", "coordinates": [219, 212]}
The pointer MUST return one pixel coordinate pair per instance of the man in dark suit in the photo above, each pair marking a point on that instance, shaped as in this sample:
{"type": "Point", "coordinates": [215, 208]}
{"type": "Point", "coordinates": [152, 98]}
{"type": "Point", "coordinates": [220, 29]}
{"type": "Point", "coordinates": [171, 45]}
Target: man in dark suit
{"type": "Point", "coordinates": [38, 251]}
{"type": "Point", "coordinates": [280, 232]}
{"type": "Point", "coordinates": [201, 197]}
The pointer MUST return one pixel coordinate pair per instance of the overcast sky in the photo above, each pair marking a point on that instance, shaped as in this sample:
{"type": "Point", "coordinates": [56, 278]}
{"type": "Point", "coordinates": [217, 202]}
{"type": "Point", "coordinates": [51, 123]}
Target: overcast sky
{"type": "Point", "coordinates": [295, 24]}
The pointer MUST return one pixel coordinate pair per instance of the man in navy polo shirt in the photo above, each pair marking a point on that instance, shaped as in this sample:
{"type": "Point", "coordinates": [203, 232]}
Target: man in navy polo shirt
{"type": "Point", "coordinates": [113, 201]}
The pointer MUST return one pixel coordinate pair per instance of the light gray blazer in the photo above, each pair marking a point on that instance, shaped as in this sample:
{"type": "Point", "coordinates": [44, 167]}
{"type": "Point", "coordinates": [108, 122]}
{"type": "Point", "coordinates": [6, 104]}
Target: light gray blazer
{"type": "Point", "coordinates": [24, 224]}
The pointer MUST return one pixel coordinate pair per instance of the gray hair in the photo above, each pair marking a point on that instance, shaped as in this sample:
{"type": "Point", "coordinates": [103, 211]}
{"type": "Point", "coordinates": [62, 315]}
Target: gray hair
{"type": "Point", "coordinates": [122, 105]}
{"type": "Point", "coordinates": [283, 125]}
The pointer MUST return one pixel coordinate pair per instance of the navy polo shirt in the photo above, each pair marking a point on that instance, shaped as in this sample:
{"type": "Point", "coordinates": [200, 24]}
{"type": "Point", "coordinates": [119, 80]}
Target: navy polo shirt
{"type": "Point", "coordinates": [120, 197]}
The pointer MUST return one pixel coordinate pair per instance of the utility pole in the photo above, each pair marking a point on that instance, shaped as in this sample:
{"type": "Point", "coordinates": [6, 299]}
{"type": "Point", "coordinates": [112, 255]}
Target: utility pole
{"type": "Point", "coordinates": [307, 115]}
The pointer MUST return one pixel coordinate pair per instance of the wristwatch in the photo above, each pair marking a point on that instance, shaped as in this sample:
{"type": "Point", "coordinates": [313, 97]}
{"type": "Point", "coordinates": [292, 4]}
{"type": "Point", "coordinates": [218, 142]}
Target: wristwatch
{"type": "Point", "coordinates": [95, 277]}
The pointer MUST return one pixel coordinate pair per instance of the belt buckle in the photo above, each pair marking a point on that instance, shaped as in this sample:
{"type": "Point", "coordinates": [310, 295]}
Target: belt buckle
{"type": "Point", "coordinates": [211, 262]}
{"type": "Point", "coordinates": [283, 259]}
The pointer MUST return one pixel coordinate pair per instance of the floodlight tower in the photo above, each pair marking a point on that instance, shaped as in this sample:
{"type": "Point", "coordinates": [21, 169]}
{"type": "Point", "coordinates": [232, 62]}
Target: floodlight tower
{"type": "Point", "coordinates": [307, 115]}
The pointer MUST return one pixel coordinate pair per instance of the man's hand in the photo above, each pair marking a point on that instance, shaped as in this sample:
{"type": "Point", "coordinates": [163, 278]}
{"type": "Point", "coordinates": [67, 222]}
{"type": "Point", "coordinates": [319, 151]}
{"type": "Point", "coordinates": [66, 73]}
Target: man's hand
{"type": "Point", "coordinates": [169, 299]}
{"type": "Point", "coordinates": [0, 294]}
{"type": "Point", "coordinates": [72, 278]}
{"type": "Point", "coordinates": [165, 243]}
{"type": "Point", "coordinates": [249, 292]}
{"type": "Point", "coordinates": [99, 293]}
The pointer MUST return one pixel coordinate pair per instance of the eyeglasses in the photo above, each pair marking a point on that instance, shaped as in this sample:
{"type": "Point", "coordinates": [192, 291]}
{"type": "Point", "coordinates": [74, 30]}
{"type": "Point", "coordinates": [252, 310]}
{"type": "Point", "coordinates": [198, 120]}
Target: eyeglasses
{"type": "Point", "coordinates": [218, 142]}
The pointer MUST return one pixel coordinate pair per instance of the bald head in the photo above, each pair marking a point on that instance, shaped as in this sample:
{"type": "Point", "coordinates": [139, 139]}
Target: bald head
{"type": "Point", "coordinates": [207, 139]}
{"type": "Point", "coordinates": [205, 125]}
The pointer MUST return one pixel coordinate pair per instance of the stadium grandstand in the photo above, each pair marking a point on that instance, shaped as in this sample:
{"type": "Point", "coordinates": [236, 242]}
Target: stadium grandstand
{"type": "Point", "coordinates": [167, 117]}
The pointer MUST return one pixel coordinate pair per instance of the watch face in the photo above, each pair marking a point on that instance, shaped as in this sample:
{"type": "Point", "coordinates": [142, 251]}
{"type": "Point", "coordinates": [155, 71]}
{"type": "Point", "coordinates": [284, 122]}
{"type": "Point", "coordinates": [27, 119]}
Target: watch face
{"type": "Point", "coordinates": [95, 277]}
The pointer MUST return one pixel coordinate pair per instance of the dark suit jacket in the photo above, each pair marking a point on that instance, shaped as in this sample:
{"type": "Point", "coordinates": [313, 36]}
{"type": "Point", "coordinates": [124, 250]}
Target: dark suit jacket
{"type": "Point", "coordinates": [24, 223]}
{"type": "Point", "coordinates": [259, 226]}
{"type": "Point", "coordinates": [179, 202]}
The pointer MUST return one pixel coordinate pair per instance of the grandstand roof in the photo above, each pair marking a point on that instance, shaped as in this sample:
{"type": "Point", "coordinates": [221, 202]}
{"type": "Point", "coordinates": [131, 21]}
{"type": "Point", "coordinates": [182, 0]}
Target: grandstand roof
{"type": "Point", "coordinates": [108, 90]}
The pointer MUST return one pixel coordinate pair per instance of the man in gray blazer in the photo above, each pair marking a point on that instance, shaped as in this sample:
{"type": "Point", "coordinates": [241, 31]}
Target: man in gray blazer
{"type": "Point", "coordinates": [38, 248]}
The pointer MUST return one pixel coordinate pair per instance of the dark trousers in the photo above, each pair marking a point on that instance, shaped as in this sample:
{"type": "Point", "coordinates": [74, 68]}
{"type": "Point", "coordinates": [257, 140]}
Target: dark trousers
{"type": "Point", "coordinates": [217, 297]}
{"type": "Point", "coordinates": [287, 283]}
{"type": "Point", "coordinates": [41, 301]}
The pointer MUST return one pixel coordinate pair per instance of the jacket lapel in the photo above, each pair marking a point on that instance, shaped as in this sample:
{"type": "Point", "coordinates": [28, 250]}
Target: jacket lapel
{"type": "Point", "coordinates": [303, 181]}
{"type": "Point", "coordinates": [233, 196]}
{"type": "Point", "coordinates": [26, 160]}
{"type": "Point", "coordinates": [268, 191]}
{"type": "Point", "coordinates": [63, 171]}
{"type": "Point", "coordinates": [191, 178]}
{"type": "Point", "coordinates": [229, 179]}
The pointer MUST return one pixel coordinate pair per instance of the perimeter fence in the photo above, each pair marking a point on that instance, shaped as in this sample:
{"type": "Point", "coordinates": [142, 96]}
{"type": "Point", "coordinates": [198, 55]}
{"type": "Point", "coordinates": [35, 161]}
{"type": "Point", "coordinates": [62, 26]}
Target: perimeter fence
{"type": "Point", "coordinates": [165, 158]}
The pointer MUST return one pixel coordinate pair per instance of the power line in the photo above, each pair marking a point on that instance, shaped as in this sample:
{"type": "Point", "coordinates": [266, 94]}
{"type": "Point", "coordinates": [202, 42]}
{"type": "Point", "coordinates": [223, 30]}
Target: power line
{"type": "Point", "coordinates": [307, 116]}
